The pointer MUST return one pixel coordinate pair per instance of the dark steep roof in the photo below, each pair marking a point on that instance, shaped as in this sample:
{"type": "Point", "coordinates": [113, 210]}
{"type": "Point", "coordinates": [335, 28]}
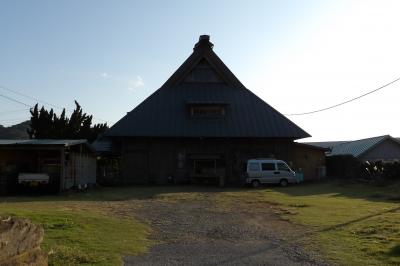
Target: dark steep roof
{"type": "Point", "coordinates": [165, 113]}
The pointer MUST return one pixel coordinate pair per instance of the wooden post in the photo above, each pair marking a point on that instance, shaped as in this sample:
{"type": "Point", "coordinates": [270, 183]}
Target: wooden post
{"type": "Point", "coordinates": [62, 170]}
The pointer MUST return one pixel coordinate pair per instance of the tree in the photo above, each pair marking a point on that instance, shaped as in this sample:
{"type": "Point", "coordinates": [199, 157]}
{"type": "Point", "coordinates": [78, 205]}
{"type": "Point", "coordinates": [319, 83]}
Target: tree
{"type": "Point", "coordinates": [47, 125]}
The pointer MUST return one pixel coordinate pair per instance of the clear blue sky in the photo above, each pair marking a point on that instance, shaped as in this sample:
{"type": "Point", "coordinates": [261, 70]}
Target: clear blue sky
{"type": "Point", "coordinates": [111, 55]}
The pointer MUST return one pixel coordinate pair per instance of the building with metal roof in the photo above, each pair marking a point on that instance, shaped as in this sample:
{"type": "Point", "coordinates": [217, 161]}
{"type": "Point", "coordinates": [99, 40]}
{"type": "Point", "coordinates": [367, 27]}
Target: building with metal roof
{"type": "Point", "coordinates": [60, 164]}
{"type": "Point", "coordinates": [384, 148]}
{"type": "Point", "coordinates": [55, 142]}
{"type": "Point", "coordinates": [204, 80]}
{"type": "Point", "coordinates": [202, 122]}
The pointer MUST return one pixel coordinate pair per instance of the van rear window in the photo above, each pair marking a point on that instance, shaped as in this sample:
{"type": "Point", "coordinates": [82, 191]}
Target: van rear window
{"type": "Point", "coordinates": [254, 167]}
{"type": "Point", "coordinates": [268, 166]}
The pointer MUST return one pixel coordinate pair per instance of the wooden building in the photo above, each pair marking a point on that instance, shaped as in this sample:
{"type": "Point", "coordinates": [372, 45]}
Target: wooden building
{"type": "Point", "coordinates": [68, 163]}
{"type": "Point", "coordinates": [203, 123]}
{"type": "Point", "coordinates": [310, 161]}
{"type": "Point", "coordinates": [382, 148]}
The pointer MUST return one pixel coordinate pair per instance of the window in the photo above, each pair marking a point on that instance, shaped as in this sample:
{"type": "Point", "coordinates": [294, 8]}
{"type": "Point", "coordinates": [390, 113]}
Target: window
{"type": "Point", "coordinates": [254, 167]}
{"type": "Point", "coordinates": [268, 166]}
{"type": "Point", "coordinates": [211, 111]}
{"type": "Point", "coordinates": [283, 167]}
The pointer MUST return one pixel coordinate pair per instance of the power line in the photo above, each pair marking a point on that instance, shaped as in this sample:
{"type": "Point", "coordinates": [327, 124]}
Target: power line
{"type": "Point", "coordinates": [348, 101]}
{"type": "Point", "coordinates": [43, 102]}
{"type": "Point", "coordinates": [29, 97]}
{"type": "Point", "coordinates": [14, 100]}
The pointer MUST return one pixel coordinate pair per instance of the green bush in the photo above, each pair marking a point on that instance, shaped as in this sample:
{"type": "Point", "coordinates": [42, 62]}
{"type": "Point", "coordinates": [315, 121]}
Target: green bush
{"type": "Point", "coordinates": [391, 170]}
{"type": "Point", "coordinates": [347, 166]}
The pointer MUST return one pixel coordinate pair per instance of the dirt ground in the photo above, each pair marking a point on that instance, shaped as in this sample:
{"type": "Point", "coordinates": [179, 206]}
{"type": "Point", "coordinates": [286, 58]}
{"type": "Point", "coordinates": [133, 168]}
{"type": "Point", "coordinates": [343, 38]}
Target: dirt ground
{"type": "Point", "coordinates": [200, 232]}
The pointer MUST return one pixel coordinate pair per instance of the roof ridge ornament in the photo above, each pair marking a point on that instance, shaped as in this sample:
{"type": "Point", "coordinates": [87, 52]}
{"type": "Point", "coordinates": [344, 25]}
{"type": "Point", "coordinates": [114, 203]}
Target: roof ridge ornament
{"type": "Point", "coordinates": [204, 42]}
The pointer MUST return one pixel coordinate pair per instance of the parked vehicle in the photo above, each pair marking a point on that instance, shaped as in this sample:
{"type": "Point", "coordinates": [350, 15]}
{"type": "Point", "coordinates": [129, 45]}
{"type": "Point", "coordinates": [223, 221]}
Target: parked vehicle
{"type": "Point", "coordinates": [269, 171]}
{"type": "Point", "coordinates": [33, 179]}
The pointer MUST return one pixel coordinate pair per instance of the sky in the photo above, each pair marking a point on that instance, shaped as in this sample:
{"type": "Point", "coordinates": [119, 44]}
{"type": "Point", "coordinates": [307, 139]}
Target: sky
{"type": "Point", "coordinates": [298, 56]}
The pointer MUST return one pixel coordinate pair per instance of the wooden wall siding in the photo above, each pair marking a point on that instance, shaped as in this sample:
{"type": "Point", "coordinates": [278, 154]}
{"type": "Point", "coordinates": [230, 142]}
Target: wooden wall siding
{"type": "Point", "coordinates": [80, 170]}
{"type": "Point", "coordinates": [308, 159]}
{"type": "Point", "coordinates": [161, 158]}
{"type": "Point", "coordinates": [387, 150]}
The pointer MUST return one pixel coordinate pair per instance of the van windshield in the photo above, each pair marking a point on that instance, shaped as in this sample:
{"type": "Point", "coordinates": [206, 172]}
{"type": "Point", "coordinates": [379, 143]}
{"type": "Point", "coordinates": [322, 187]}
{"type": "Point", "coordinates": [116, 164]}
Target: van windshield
{"type": "Point", "coordinates": [283, 167]}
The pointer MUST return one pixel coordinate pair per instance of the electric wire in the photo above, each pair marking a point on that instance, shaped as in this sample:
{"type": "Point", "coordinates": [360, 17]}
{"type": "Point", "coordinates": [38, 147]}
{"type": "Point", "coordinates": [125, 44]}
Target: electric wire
{"type": "Point", "coordinates": [345, 102]}
{"type": "Point", "coordinates": [38, 100]}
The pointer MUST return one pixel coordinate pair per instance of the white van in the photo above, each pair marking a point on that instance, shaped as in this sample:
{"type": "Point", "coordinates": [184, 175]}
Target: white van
{"type": "Point", "coordinates": [269, 171]}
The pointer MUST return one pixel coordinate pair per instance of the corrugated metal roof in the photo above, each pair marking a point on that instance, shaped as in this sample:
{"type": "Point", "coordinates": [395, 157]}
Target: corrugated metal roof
{"type": "Point", "coordinates": [165, 113]}
{"type": "Point", "coordinates": [325, 144]}
{"type": "Point", "coordinates": [62, 142]}
{"type": "Point", "coordinates": [357, 147]}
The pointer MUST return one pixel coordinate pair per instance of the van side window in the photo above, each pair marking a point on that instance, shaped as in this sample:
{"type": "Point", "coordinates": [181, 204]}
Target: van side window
{"type": "Point", "coordinates": [268, 166]}
{"type": "Point", "coordinates": [254, 167]}
{"type": "Point", "coordinates": [283, 167]}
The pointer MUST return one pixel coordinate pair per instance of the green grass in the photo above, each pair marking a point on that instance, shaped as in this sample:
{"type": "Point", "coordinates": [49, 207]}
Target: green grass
{"type": "Point", "coordinates": [74, 236]}
{"type": "Point", "coordinates": [349, 224]}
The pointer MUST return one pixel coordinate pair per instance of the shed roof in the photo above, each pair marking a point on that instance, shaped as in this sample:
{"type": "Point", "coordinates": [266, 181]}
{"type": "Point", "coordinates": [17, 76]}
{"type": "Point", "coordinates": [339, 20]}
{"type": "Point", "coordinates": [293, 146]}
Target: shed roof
{"type": "Point", "coordinates": [355, 147]}
{"type": "Point", "coordinates": [164, 113]}
{"type": "Point", "coordinates": [52, 142]}
{"type": "Point", "coordinates": [325, 144]}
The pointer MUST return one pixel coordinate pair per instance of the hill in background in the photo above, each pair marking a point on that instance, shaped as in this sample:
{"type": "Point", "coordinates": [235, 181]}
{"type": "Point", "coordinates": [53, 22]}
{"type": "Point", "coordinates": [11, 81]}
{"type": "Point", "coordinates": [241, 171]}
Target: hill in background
{"type": "Point", "coordinates": [17, 131]}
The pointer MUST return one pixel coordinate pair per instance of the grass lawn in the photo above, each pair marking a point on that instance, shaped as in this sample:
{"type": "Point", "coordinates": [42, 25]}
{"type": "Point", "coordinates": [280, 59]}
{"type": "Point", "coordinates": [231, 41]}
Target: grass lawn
{"type": "Point", "coordinates": [74, 236]}
{"type": "Point", "coordinates": [349, 224]}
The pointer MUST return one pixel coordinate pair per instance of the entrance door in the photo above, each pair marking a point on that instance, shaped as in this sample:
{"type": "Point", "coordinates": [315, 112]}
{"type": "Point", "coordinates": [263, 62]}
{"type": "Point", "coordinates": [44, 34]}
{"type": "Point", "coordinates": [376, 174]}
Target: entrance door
{"type": "Point", "coordinates": [268, 170]}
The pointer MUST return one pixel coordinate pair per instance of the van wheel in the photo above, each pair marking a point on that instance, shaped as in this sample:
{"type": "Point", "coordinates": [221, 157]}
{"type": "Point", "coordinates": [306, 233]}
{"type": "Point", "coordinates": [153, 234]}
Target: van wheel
{"type": "Point", "coordinates": [255, 183]}
{"type": "Point", "coordinates": [283, 182]}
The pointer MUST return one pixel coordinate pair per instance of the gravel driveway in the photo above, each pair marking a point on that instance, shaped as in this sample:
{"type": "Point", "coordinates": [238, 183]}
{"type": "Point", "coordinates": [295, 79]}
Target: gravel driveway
{"type": "Point", "coordinates": [198, 232]}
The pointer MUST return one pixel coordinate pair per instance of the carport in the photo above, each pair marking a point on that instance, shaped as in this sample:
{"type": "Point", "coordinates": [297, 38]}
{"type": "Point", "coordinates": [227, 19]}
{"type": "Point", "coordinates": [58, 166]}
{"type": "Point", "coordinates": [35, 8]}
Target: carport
{"type": "Point", "coordinates": [68, 163]}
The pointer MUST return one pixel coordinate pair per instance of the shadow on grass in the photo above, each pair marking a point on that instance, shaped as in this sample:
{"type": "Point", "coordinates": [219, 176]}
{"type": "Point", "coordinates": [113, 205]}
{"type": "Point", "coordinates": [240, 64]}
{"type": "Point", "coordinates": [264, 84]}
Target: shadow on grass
{"type": "Point", "coordinates": [395, 251]}
{"type": "Point", "coordinates": [389, 193]}
{"type": "Point", "coordinates": [340, 225]}
{"type": "Point", "coordinates": [338, 188]}
{"type": "Point", "coordinates": [121, 193]}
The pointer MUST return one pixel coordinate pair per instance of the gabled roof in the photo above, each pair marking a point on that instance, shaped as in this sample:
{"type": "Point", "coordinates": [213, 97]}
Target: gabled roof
{"type": "Point", "coordinates": [204, 78]}
{"type": "Point", "coordinates": [355, 148]}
